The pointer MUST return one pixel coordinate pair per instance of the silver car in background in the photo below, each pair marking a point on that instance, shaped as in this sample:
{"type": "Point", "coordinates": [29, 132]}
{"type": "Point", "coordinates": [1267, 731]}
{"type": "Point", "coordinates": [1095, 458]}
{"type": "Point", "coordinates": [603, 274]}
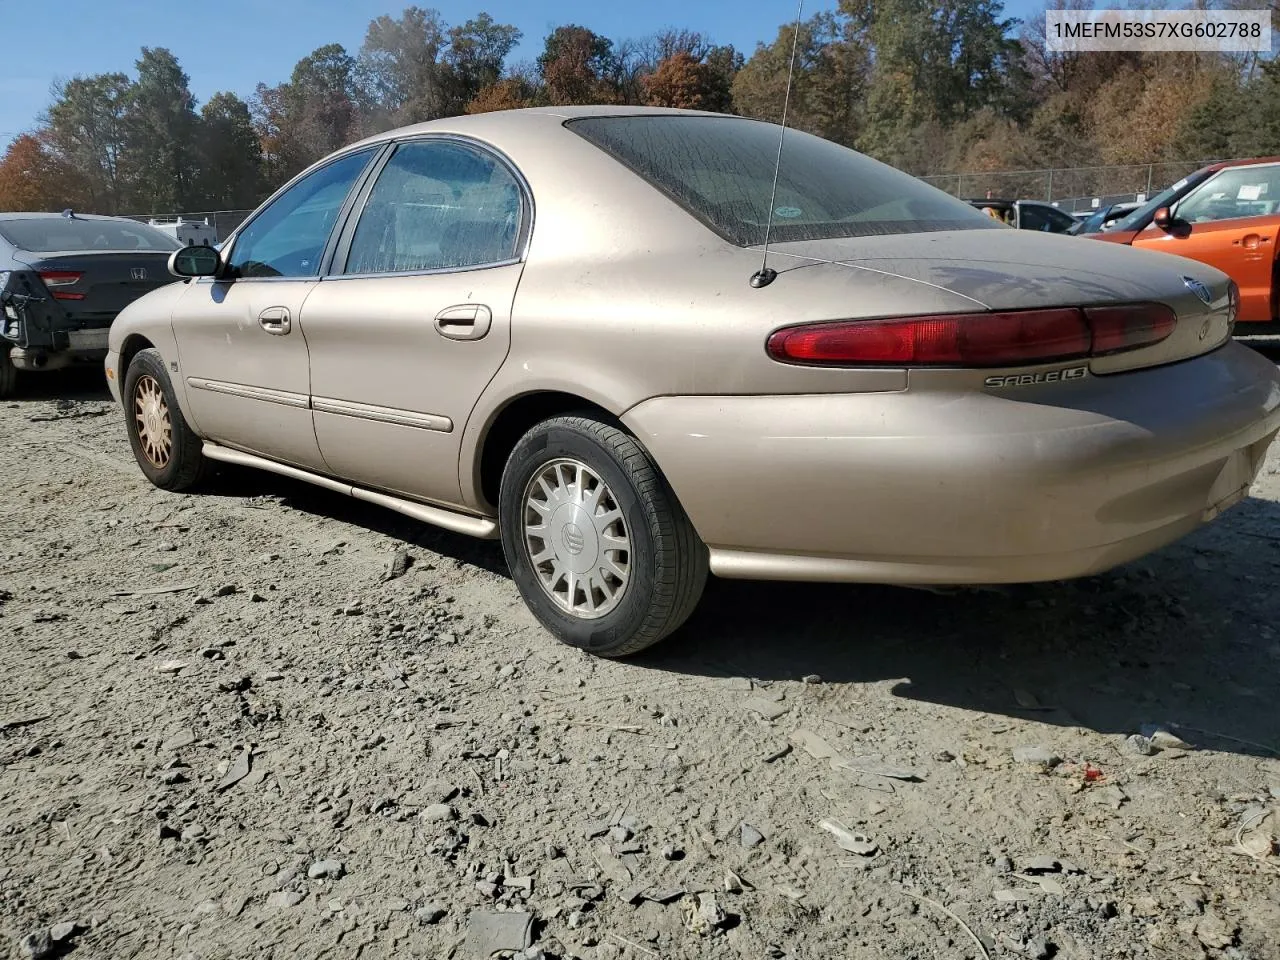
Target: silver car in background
{"type": "Point", "coordinates": [558, 327]}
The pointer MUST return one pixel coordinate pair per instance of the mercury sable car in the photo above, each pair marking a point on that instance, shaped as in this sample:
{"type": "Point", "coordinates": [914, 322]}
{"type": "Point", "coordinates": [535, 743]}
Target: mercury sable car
{"type": "Point", "coordinates": [561, 327]}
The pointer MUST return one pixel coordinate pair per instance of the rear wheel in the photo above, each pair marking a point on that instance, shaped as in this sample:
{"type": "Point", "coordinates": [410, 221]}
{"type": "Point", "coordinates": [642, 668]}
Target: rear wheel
{"type": "Point", "coordinates": [596, 541]}
{"type": "Point", "coordinates": [8, 372]}
{"type": "Point", "coordinates": [166, 448]}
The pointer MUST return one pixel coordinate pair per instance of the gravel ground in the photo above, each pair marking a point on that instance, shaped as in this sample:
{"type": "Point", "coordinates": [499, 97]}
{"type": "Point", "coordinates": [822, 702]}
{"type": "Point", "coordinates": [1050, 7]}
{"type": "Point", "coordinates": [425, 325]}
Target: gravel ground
{"type": "Point", "coordinates": [267, 721]}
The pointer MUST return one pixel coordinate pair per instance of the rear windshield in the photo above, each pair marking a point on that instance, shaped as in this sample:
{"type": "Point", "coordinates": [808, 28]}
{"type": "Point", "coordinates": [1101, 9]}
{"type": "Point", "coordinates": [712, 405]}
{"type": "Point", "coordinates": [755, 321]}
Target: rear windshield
{"type": "Point", "coordinates": [720, 169]}
{"type": "Point", "coordinates": [49, 234]}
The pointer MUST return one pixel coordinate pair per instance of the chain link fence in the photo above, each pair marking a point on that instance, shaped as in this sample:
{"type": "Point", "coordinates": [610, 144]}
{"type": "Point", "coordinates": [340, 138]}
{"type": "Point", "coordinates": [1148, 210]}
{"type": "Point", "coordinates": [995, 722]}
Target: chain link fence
{"type": "Point", "coordinates": [1073, 189]}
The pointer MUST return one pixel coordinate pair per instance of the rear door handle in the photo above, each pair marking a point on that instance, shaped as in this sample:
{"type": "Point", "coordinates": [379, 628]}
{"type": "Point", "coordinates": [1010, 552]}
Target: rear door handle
{"type": "Point", "coordinates": [275, 320]}
{"type": "Point", "coordinates": [466, 321]}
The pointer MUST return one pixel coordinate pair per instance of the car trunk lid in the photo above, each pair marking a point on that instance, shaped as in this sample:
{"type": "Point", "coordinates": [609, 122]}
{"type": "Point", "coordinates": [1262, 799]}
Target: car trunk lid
{"type": "Point", "coordinates": [1001, 270]}
{"type": "Point", "coordinates": [91, 288]}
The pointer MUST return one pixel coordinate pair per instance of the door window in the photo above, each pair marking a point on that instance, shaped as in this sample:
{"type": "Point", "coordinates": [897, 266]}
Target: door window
{"type": "Point", "coordinates": [288, 238]}
{"type": "Point", "coordinates": [438, 205]}
{"type": "Point", "coordinates": [1235, 192]}
{"type": "Point", "coordinates": [1045, 218]}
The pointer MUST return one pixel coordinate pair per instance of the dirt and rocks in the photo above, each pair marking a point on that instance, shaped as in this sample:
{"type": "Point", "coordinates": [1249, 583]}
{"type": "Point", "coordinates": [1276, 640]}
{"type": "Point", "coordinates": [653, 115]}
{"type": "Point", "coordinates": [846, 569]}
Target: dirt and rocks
{"type": "Point", "coordinates": [266, 721]}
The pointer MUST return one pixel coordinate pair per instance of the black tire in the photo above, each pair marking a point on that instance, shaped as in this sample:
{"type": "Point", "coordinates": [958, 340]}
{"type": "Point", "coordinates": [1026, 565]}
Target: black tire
{"type": "Point", "coordinates": [8, 372]}
{"type": "Point", "coordinates": [667, 562]}
{"type": "Point", "coordinates": [184, 465]}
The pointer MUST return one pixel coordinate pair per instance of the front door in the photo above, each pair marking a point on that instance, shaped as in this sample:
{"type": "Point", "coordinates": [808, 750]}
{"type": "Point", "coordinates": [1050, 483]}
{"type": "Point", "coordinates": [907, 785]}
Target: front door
{"type": "Point", "coordinates": [414, 320]}
{"type": "Point", "coordinates": [1230, 222]}
{"type": "Point", "coordinates": [243, 357]}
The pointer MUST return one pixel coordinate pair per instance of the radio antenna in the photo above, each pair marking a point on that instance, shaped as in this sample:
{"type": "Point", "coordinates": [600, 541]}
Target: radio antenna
{"type": "Point", "coordinates": [765, 276]}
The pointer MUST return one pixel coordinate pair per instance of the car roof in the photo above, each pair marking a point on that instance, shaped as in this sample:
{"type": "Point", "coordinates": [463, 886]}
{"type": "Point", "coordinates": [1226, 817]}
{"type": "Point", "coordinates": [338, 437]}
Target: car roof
{"type": "Point", "coordinates": [1246, 162]}
{"type": "Point", "coordinates": [58, 216]}
{"type": "Point", "coordinates": [498, 120]}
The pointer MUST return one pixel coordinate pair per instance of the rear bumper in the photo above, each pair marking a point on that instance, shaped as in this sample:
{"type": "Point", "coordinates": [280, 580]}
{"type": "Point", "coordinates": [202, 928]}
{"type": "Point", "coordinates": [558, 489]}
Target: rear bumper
{"type": "Point", "coordinates": [927, 487]}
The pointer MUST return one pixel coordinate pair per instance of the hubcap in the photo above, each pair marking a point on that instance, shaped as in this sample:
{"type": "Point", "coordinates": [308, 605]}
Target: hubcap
{"type": "Point", "coordinates": [576, 538]}
{"type": "Point", "coordinates": [155, 433]}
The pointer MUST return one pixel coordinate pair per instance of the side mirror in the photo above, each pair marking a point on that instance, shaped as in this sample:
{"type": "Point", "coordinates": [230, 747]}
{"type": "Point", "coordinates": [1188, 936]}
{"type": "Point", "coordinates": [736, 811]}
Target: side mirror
{"type": "Point", "coordinates": [195, 261]}
{"type": "Point", "coordinates": [1162, 218]}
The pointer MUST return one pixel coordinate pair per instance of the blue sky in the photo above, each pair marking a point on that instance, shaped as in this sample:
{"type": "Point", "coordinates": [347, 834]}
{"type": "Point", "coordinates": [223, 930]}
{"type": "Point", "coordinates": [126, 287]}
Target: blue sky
{"type": "Point", "coordinates": [245, 41]}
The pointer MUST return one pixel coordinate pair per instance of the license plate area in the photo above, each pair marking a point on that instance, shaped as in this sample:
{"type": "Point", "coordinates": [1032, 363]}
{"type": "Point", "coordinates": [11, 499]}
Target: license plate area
{"type": "Point", "coordinates": [88, 339]}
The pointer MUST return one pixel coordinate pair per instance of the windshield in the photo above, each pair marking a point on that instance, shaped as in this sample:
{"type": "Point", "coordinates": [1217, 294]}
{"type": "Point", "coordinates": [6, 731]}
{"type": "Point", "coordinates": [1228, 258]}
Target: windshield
{"type": "Point", "coordinates": [721, 169]}
{"type": "Point", "coordinates": [1138, 219]}
{"type": "Point", "coordinates": [1092, 223]}
{"type": "Point", "coordinates": [50, 234]}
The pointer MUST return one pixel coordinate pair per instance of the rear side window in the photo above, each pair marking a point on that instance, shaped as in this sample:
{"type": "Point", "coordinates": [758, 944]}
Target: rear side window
{"type": "Point", "coordinates": [720, 169]}
{"type": "Point", "coordinates": [58, 234]}
{"type": "Point", "coordinates": [438, 205]}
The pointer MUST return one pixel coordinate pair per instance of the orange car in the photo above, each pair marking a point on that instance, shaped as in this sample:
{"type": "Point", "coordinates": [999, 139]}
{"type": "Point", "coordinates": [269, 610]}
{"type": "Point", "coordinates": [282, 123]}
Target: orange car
{"type": "Point", "coordinates": [1226, 215]}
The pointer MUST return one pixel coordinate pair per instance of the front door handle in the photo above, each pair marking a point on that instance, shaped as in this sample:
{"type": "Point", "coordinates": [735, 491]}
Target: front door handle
{"type": "Point", "coordinates": [275, 320]}
{"type": "Point", "coordinates": [466, 321]}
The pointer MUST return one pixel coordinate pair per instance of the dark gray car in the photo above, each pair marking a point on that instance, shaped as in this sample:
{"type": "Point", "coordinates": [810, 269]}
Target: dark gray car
{"type": "Point", "coordinates": [63, 279]}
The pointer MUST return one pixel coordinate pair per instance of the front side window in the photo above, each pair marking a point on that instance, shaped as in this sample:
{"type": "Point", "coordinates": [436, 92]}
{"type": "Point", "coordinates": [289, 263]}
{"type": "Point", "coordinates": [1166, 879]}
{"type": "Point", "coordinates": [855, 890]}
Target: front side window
{"type": "Point", "coordinates": [1140, 217]}
{"type": "Point", "coordinates": [720, 169]}
{"type": "Point", "coordinates": [1236, 192]}
{"type": "Point", "coordinates": [438, 205]}
{"type": "Point", "coordinates": [1093, 223]}
{"type": "Point", "coordinates": [288, 238]}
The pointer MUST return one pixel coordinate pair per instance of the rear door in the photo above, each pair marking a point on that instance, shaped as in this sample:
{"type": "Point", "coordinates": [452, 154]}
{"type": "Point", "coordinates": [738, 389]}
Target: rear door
{"type": "Point", "coordinates": [1230, 222]}
{"type": "Point", "coordinates": [242, 351]}
{"type": "Point", "coordinates": [414, 320]}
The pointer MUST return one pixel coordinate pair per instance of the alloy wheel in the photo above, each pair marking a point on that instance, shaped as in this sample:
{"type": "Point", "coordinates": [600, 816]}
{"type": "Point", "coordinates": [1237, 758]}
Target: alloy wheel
{"type": "Point", "coordinates": [576, 538]}
{"type": "Point", "coordinates": [151, 412]}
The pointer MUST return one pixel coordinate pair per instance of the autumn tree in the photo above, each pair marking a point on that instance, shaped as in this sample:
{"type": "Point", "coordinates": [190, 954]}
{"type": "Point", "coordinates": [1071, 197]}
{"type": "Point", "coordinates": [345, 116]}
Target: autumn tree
{"type": "Point", "coordinates": [509, 94]}
{"type": "Point", "coordinates": [681, 80]}
{"type": "Point", "coordinates": [35, 178]}
{"type": "Point", "coordinates": [578, 66]}
{"type": "Point", "coordinates": [693, 76]}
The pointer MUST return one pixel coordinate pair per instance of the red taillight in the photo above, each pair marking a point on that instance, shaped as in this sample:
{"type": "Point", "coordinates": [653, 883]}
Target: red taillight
{"type": "Point", "coordinates": [55, 280]}
{"type": "Point", "coordinates": [1116, 329]}
{"type": "Point", "coordinates": [975, 339]}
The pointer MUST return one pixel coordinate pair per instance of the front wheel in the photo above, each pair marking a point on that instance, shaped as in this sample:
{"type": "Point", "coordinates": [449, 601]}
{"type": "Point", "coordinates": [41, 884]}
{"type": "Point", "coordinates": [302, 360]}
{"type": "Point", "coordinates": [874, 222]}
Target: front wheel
{"type": "Point", "coordinates": [166, 448]}
{"type": "Point", "coordinates": [597, 543]}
